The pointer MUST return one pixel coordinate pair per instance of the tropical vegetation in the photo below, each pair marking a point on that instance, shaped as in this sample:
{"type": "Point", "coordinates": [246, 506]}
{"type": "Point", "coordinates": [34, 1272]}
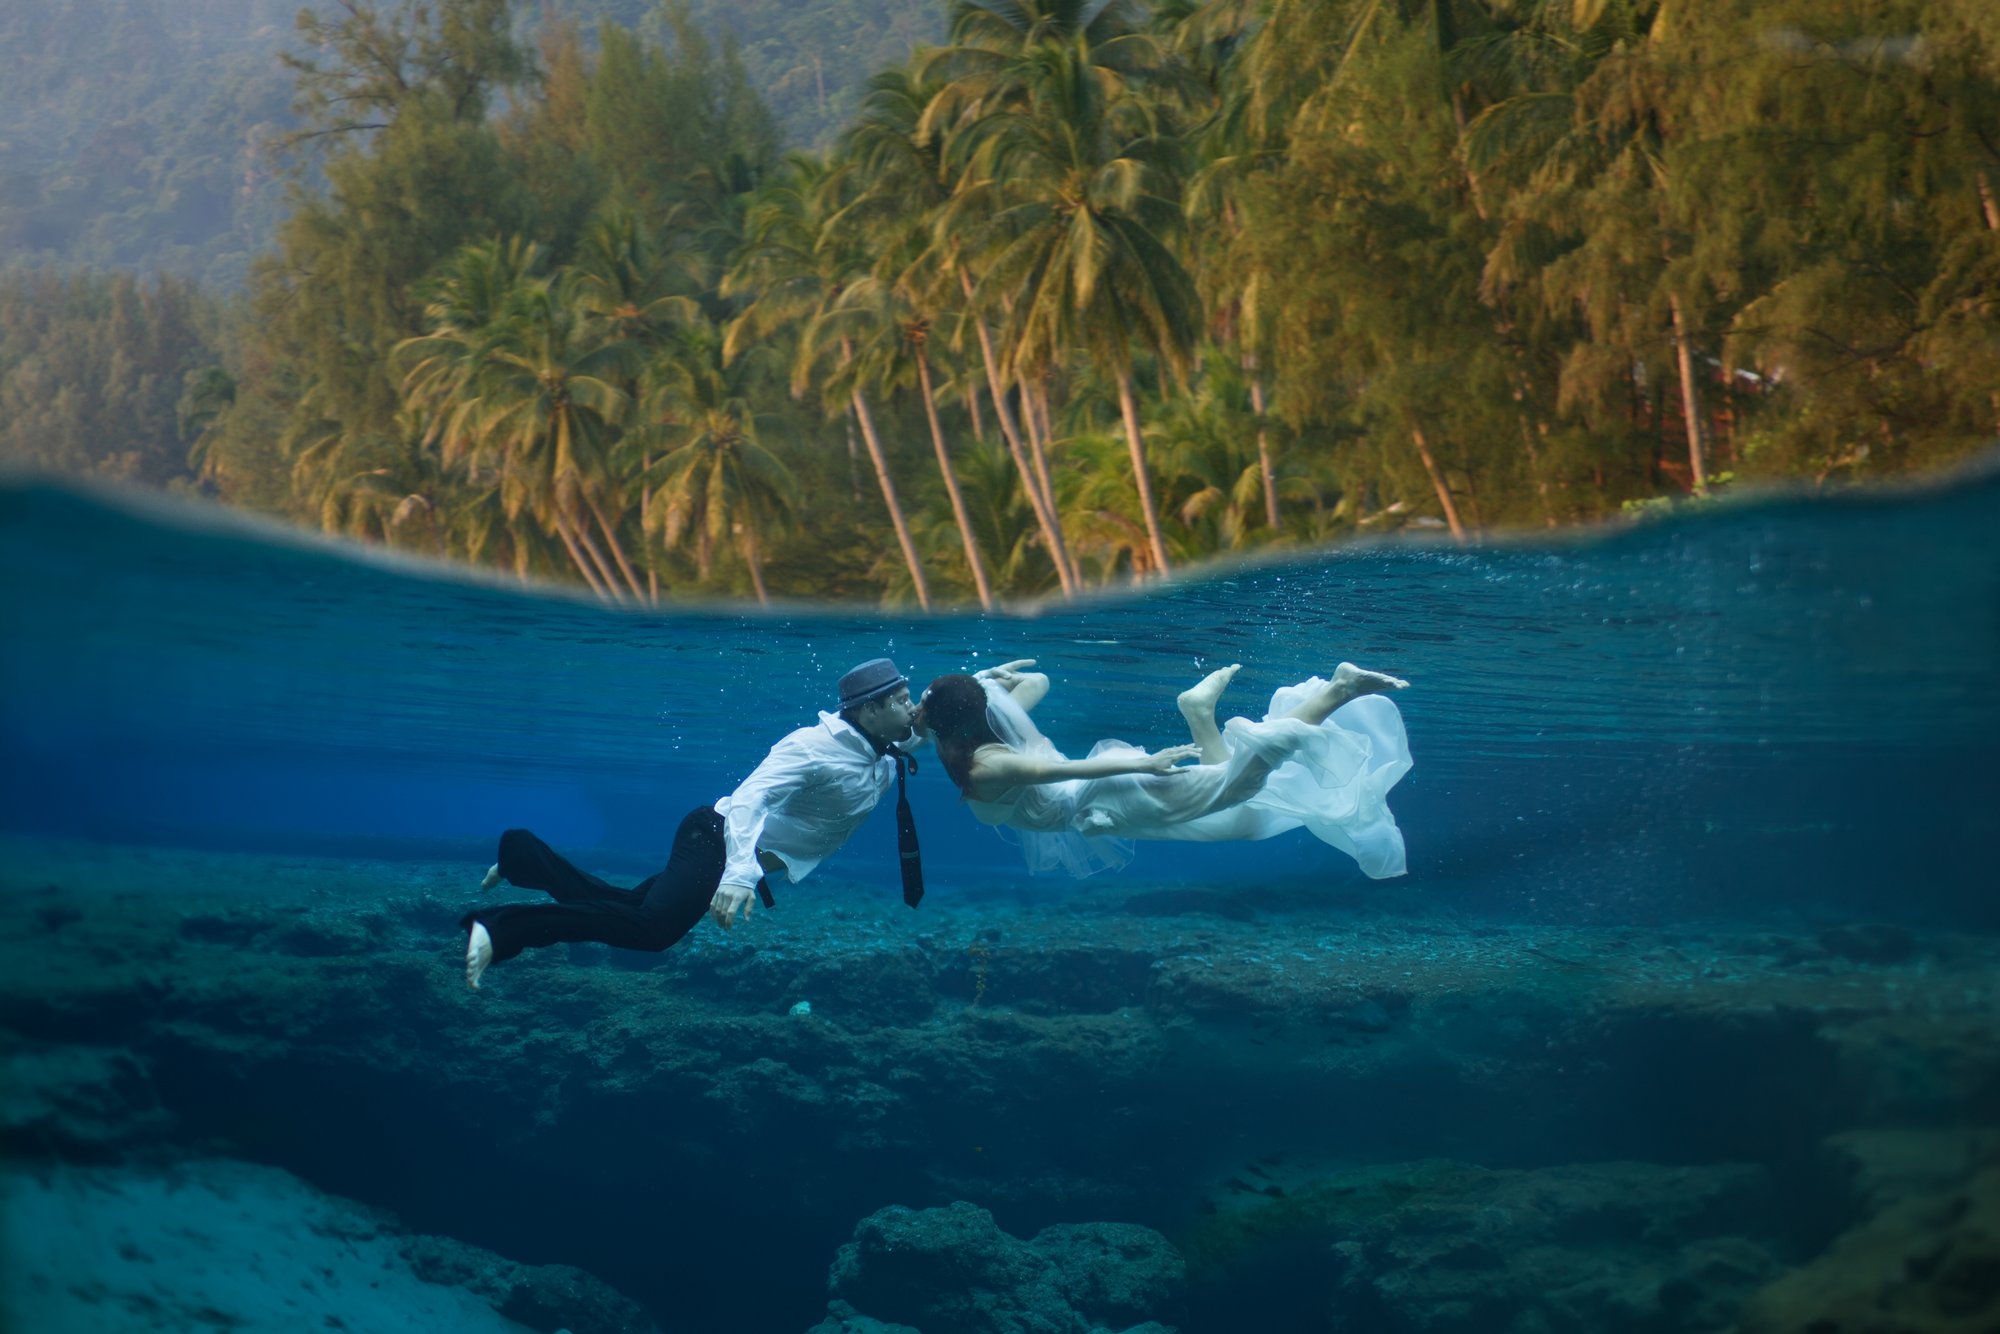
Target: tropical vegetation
{"type": "Point", "coordinates": [1094, 289]}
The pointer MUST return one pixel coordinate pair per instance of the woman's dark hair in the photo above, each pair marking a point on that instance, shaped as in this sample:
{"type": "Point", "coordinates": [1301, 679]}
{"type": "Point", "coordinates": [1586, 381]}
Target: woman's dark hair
{"type": "Point", "coordinates": [955, 710]}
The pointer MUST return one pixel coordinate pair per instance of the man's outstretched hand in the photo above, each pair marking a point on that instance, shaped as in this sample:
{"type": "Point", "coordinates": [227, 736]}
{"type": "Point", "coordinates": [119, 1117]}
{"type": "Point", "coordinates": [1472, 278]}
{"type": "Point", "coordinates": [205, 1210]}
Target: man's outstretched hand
{"type": "Point", "coordinates": [729, 902]}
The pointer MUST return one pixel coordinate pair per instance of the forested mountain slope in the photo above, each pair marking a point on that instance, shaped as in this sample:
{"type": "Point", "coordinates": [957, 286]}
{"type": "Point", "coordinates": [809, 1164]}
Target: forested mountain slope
{"type": "Point", "coordinates": [140, 134]}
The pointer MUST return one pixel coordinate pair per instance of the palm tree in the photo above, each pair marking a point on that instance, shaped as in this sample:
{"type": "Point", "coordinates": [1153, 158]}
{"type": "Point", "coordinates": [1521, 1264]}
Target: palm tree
{"type": "Point", "coordinates": [1098, 505]}
{"type": "Point", "coordinates": [980, 77]}
{"type": "Point", "coordinates": [471, 313]}
{"type": "Point", "coordinates": [793, 266]}
{"type": "Point", "coordinates": [1213, 455]}
{"type": "Point", "coordinates": [1584, 140]}
{"type": "Point", "coordinates": [899, 172]}
{"type": "Point", "coordinates": [1004, 520]}
{"type": "Point", "coordinates": [516, 383]}
{"type": "Point", "coordinates": [637, 290]}
{"type": "Point", "coordinates": [715, 478]}
{"type": "Point", "coordinates": [551, 408]}
{"type": "Point", "coordinates": [466, 312]}
{"type": "Point", "coordinates": [1087, 201]}
{"type": "Point", "coordinates": [377, 489]}
{"type": "Point", "coordinates": [888, 344]}
{"type": "Point", "coordinates": [1241, 139]}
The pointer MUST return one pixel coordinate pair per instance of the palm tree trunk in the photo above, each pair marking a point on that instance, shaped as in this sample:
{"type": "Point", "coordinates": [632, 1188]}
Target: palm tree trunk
{"type": "Point", "coordinates": [1264, 467]}
{"type": "Point", "coordinates": [753, 556]}
{"type": "Point", "coordinates": [590, 548]}
{"type": "Point", "coordinates": [617, 551]}
{"type": "Point", "coordinates": [1043, 442]}
{"type": "Point", "coordinates": [1991, 208]}
{"type": "Point", "coordinates": [1130, 409]}
{"type": "Point", "coordinates": [853, 458]}
{"type": "Point", "coordinates": [972, 406]}
{"type": "Point", "coordinates": [582, 564]}
{"type": "Point", "coordinates": [645, 526]}
{"type": "Point", "coordinates": [1038, 434]}
{"type": "Point", "coordinates": [951, 489]}
{"type": "Point", "coordinates": [881, 462]}
{"type": "Point", "coordinates": [1041, 458]}
{"type": "Point", "coordinates": [1437, 481]}
{"type": "Point", "coordinates": [1690, 398]}
{"type": "Point", "coordinates": [1528, 434]}
{"type": "Point", "coordinates": [1050, 524]}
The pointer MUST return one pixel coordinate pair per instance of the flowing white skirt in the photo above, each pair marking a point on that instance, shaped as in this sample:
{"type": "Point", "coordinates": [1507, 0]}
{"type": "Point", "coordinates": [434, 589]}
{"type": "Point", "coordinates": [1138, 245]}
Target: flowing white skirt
{"type": "Point", "coordinates": [1333, 779]}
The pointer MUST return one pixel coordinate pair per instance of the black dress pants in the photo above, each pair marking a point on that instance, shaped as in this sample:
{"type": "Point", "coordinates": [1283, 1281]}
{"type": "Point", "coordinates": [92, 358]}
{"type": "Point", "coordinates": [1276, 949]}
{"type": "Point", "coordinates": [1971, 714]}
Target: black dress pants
{"type": "Point", "coordinates": [652, 915]}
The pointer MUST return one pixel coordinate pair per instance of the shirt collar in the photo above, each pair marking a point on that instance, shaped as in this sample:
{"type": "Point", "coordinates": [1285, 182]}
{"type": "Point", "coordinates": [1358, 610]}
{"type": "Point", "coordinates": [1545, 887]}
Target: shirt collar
{"type": "Point", "coordinates": [848, 735]}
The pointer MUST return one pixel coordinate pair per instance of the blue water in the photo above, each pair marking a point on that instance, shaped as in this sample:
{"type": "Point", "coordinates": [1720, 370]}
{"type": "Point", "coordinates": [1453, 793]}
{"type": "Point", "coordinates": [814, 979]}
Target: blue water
{"type": "Point", "coordinates": [1783, 703]}
{"type": "Point", "coordinates": [1659, 770]}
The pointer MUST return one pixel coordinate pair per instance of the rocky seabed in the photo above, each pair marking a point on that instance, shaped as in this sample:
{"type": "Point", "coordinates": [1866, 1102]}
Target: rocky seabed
{"type": "Point", "coordinates": [254, 1093]}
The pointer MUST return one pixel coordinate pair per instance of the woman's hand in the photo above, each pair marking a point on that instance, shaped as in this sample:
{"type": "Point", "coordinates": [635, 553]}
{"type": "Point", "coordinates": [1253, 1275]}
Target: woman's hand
{"type": "Point", "coordinates": [1007, 675]}
{"type": "Point", "coordinates": [1163, 761]}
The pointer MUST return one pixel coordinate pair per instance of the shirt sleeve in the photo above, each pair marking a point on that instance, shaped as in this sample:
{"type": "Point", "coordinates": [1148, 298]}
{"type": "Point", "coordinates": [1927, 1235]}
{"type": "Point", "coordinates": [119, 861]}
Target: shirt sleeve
{"type": "Point", "coordinates": [784, 771]}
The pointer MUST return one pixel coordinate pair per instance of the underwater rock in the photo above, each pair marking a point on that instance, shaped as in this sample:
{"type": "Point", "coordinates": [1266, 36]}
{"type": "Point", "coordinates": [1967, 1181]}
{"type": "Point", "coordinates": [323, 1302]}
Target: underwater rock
{"type": "Point", "coordinates": [1913, 1067]}
{"type": "Point", "coordinates": [1929, 1264]}
{"type": "Point", "coordinates": [1870, 942]}
{"type": "Point", "coordinates": [950, 1269]}
{"type": "Point", "coordinates": [844, 1319]}
{"type": "Point", "coordinates": [1115, 1274]}
{"type": "Point", "coordinates": [899, 982]}
{"type": "Point", "coordinates": [85, 1103]}
{"type": "Point", "coordinates": [326, 935]}
{"type": "Point", "coordinates": [953, 1269]}
{"type": "Point", "coordinates": [1925, 1259]}
{"type": "Point", "coordinates": [1450, 1248]}
{"type": "Point", "coordinates": [1049, 1057]}
{"type": "Point", "coordinates": [542, 1297]}
{"type": "Point", "coordinates": [230, 1245]}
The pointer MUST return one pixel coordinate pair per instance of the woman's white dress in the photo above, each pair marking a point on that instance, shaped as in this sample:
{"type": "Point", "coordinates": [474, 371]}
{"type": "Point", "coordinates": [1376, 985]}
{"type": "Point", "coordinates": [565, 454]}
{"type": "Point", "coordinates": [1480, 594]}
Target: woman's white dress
{"type": "Point", "coordinates": [1333, 779]}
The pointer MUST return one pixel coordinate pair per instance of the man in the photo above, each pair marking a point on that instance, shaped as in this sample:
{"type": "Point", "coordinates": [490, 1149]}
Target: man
{"type": "Point", "coordinates": [812, 791]}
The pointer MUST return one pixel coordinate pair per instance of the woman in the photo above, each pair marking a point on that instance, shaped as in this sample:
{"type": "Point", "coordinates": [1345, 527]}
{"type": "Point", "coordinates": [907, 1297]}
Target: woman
{"type": "Point", "coordinates": [1300, 765]}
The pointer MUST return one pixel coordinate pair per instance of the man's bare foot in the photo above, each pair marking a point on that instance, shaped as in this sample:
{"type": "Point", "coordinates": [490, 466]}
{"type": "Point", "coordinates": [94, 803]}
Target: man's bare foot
{"type": "Point", "coordinates": [1199, 700]}
{"type": "Point", "coordinates": [1351, 682]}
{"type": "Point", "coordinates": [478, 954]}
{"type": "Point", "coordinates": [492, 877]}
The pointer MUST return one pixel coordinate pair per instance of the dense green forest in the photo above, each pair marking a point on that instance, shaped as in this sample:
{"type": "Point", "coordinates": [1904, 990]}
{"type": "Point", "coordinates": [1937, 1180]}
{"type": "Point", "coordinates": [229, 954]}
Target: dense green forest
{"type": "Point", "coordinates": [1090, 289]}
{"type": "Point", "coordinates": [93, 371]}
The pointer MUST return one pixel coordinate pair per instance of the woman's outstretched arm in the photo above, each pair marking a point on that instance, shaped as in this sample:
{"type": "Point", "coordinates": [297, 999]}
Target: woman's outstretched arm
{"type": "Point", "coordinates": [997, 767]}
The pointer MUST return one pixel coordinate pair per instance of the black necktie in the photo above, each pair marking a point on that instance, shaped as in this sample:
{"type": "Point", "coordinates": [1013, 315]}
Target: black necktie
{"type": "Point", "coordinates": [906, 830]}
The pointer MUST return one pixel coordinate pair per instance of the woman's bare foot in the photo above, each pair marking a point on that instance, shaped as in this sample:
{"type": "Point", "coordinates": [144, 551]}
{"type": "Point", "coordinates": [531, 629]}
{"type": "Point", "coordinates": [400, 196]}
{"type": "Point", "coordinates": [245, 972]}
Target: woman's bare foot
{"type": "Point", "coordinates": [1203, 694]}
{"type": "Point", "coordinates": [1349, 683]}
{"type": "Point", "coordinates": [1198, 707]}
{"type": "Point", "coordinates": [492, 877]}
{"type": "Point", "coordinates": [478, 954]}
{"type": "Point", "coordinates": [1354, 682]}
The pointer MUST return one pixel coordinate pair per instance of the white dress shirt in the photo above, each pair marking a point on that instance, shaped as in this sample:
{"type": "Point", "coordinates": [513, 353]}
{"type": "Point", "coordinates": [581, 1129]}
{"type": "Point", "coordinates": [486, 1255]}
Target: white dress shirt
{"type": "Point", "coordinates": [812, 791]}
